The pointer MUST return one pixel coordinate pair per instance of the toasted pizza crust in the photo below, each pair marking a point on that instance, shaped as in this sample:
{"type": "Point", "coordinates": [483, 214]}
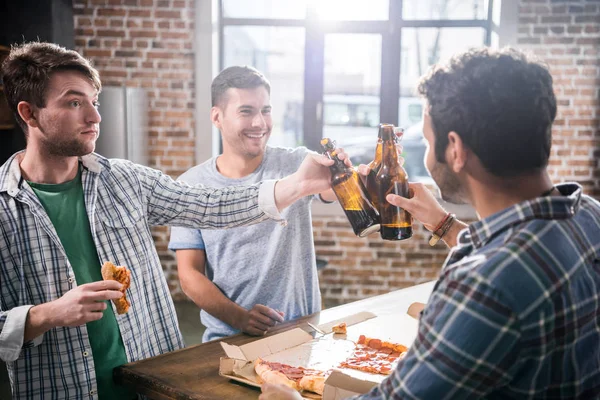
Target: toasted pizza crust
{"type": "Point", "coordinates": [313, 383]}
{"type": "Point", "coordinates": [268, 375]}
{"type": "Point", "coordinates": [339, 328]}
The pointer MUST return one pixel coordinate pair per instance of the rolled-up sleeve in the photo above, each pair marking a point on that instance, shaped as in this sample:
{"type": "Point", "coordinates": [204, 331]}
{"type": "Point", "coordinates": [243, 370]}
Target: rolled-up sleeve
{"type": "Point", "coordinates": [266, 201]}
{"type": "Point", "coordinates": [12, 333]}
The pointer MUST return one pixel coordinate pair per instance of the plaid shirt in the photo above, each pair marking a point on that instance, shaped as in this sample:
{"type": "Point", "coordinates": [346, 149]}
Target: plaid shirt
{"type": "Point", "coordinates": [122, 201]}
{"type": "Point", "coordinates": [516, 311]}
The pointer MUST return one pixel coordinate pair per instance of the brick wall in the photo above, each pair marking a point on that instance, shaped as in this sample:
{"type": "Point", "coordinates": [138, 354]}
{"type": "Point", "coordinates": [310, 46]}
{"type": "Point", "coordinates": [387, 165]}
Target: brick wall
{"type": "Point", "coordinates": [566, 34]}
{"type": "Point", "coordinates": [148, 43]}
{"type": "Point", "coordinates": [362, 267]}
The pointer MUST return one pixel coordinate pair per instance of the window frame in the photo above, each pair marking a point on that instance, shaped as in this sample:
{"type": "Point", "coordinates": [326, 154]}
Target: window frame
{"type": "Point", "coordinates": [314, 54]}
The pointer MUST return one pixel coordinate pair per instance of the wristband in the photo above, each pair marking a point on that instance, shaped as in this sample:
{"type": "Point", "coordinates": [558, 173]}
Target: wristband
{"type": "Point", "coordinates": [441, 231]}
{"type": "Point", "coordinates": [442, 222]}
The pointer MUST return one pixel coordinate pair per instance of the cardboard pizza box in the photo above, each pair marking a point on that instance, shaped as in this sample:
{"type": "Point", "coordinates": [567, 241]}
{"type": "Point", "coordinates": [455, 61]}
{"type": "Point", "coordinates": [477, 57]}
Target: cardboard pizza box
{"type": "Point", "coordinates": [297, 347]}
{"type": "Point", "coordinates": [340, 386]}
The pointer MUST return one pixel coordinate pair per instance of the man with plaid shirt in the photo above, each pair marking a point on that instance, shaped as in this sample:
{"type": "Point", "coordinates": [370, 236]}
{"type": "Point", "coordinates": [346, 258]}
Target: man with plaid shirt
{"type": "Point", "coordinates": [516, 310]}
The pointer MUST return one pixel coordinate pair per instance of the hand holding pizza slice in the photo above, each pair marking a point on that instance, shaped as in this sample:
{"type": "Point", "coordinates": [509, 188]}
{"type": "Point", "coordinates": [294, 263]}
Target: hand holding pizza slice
{"type": "Point", "coordinates": [122, 275]}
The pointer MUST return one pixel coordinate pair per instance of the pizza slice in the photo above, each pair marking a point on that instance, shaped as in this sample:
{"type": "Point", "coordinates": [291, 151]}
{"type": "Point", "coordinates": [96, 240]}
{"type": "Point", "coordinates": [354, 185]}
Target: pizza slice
{"type": "Point", "coordinates": [375, 356]}
{"type": "Point", "coordinates": [339, 328]}
{"type": "Point", "coordinates": [122, 275]}
{"type": "Point", "coordinates": [378, 344]}
{"type": "Point", "coordinates": [297, 378]}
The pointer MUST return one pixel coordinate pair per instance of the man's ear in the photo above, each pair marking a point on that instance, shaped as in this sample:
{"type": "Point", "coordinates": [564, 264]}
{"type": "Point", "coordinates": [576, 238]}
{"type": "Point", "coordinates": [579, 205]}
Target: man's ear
{"type": "Point", "coordinates": [26, 112]}
{"type": "Point", "coordinates": [456, 152]}
{"type": "Point", "coordinates": [216, 117]}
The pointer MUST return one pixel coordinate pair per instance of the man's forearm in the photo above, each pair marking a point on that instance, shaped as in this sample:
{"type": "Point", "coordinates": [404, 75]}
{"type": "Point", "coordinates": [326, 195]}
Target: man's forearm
{"type": "Point", "coordinates": [209, 298]}
{"type": "Point", "coordinates": [38, 321]}
{"type": "Point", "coordinates": [287, 191]}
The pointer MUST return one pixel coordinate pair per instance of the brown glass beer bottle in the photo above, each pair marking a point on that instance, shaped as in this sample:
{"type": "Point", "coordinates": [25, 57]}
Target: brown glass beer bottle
{"type": "Point", "coordinates": [374, 166]}
{"type": "Point", "coordinates": [351, 193]}
{"type": "Point", "coordinates": [396, 223]}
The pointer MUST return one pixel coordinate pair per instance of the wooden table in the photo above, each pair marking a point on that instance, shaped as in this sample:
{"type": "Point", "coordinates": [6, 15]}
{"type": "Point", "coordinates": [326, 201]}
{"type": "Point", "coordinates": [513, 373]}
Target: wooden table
{"type": "Point", "coordinates": [193, 372]}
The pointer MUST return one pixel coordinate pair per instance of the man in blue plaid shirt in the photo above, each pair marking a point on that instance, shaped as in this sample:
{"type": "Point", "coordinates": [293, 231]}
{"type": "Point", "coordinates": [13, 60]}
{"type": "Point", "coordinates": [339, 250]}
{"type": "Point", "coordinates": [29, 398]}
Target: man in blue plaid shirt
{"type": "Point", "coordinates": [65, 210]}
{"type": "Point", "coordinates": [516, 310]}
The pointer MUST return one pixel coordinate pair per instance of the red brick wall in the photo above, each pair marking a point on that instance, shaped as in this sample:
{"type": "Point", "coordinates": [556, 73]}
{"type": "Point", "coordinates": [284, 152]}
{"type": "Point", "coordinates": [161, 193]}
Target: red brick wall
{"type": "Point", "coordinates": [364, 267]}
{"type": "Point", "coordinates": [566, 34]}
{"type": "Point", "coordinates": [148, 43]}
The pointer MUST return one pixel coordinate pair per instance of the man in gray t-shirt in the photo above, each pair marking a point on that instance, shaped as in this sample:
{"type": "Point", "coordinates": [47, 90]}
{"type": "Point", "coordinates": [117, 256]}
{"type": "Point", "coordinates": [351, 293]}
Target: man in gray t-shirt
{"type": "Point", "coordinates": [248, 279]}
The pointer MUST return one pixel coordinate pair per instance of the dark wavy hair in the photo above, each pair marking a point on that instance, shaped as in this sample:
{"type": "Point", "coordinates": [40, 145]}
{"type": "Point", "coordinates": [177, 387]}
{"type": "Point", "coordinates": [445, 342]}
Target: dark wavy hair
{"type": "Point", "coordinates": [27, 70]}
{"type": "Point", "coordinates": [236, 77]}
{"type": "Point", "coordinates": [500, 102]}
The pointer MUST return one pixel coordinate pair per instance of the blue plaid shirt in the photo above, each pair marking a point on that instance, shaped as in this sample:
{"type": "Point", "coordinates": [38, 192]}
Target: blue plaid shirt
{"type": "Point", "coordinates": [516, 310]}
{"type": "Point", "coordinates": [122, 200]}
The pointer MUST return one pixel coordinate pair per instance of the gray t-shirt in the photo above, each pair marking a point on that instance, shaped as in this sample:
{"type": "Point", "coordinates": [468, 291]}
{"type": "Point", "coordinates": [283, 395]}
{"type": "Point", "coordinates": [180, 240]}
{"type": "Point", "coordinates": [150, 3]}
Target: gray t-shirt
{"type": "Point", "coordinates": [266, 263]}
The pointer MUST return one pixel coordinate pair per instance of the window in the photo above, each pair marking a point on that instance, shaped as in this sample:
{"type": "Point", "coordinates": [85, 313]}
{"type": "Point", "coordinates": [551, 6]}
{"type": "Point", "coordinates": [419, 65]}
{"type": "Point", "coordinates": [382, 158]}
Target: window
{"type": "Point", "coordinates": [338, 10]}
{"type": "Point", "coordinates": [277, 52]}
{"type": "Point", "coordinates": [264, 9]}
{"type": "Point", "coordinates": [444, 9]}
{"type": "Point", "coordinates": [339, 68]}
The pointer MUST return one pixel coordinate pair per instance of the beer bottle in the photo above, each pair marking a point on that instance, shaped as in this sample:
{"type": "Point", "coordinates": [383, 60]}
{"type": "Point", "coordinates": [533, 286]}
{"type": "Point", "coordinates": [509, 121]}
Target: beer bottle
{"type": "Point", "coordinates": [396, 223]}
{"type": "Point", "coordinates": [351, 194]}
{"type": "Point", "coordinates": [374, 165]}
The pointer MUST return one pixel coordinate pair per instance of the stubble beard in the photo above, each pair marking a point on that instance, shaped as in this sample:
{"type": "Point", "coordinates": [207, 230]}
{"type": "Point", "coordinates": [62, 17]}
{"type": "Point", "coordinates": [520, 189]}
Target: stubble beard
{"type": "Point", "coordinates": [450, 188]}
{"type": "Point", "coordinates": [252, 152]}
{"type": "Point", "coordinates": [61, 147]}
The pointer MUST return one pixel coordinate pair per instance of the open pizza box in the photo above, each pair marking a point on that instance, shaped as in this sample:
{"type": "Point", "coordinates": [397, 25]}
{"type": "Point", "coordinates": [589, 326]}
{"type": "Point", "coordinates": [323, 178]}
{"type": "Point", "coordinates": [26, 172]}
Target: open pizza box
{"type": "Point", "coordinates": [297, 347]}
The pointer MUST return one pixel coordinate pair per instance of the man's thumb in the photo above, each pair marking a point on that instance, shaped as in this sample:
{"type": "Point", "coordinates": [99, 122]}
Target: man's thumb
{"type": "Point", "coordinates": [398, 201]}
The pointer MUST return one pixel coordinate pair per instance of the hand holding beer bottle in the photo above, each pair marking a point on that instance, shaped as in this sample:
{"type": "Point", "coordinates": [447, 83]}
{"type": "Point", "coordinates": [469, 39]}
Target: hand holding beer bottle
{"type": "Point", "coordinates": [351, 194]}
{"type": "Point", "coordinates": [391, 178]}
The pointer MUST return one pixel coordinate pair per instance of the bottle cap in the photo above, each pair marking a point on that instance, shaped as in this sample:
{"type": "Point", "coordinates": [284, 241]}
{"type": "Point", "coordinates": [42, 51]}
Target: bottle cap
{"type": "Point", "coordinates": [328, 144]}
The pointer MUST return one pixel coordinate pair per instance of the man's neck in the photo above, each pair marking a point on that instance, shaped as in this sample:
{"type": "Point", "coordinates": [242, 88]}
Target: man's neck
{"type": "Point", "coordinates": [38, 168]}
{"type": "Point", "coordinates": [234, 166]}
{"type": "Point", "coordinates": [492, 195]}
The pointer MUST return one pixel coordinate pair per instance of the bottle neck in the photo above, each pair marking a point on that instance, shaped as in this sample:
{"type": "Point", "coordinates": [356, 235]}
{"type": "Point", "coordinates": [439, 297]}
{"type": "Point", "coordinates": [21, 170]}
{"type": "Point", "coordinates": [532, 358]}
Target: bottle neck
{"type": "Point", "coordinates": [389, 150]}
{"type": "Point", "coordinates": [338, 165]}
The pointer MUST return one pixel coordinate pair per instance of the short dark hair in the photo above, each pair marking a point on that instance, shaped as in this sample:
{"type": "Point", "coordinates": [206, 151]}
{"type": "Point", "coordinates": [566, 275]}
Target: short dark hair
{"type": "Point", "coordinates": [27, 70]}
{"type": "Point", "coordinates": [237, 77]}
{"type": "Point", "coordinates": [500, 102]}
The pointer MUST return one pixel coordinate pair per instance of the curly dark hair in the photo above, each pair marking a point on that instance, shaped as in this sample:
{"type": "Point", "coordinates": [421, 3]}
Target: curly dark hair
{"type": "Point", "coordinates": [27, 70]}
{"type": "Point", "coordinates": [236, 77]}
{"type": "Point", "coordinates": [500, 102]}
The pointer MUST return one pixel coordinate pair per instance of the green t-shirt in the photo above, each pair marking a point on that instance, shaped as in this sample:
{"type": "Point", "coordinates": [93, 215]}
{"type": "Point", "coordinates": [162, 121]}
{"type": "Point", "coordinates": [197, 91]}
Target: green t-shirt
{"type": "Point", "coordinates": [65, 206]}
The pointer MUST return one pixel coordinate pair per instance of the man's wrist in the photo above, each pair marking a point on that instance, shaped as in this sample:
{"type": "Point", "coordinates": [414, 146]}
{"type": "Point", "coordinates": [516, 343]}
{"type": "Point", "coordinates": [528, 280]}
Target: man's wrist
{"type": "Point", "coordinates": [441, 229]}
{"type": "Point", "coordinates": [240, 317]}
{"type": "Point", "coordinates": [287, 191]}
{"type": "Point", "coordinates": [431, 227]}
{"type": "Point", "coordinates": [43, 315]}
{"type": "Point", "coordinates": [40, 319]}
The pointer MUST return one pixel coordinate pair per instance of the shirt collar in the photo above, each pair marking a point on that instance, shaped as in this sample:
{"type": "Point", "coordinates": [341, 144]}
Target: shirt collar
{"type": "Point", "coordinates": [11, 178]}
{"type": "Point", "coordinates": [548, 207]}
